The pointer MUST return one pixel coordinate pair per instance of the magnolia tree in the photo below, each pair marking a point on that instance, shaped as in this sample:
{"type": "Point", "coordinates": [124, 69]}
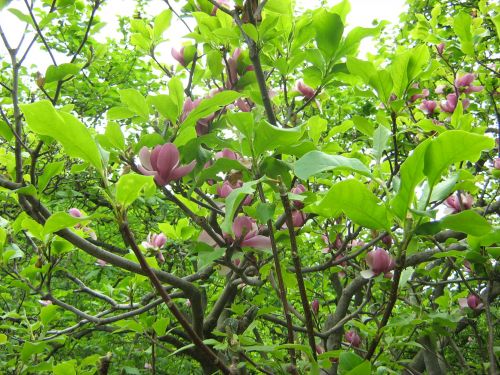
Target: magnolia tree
{"type": "Point", "coordinates": [269, 203]}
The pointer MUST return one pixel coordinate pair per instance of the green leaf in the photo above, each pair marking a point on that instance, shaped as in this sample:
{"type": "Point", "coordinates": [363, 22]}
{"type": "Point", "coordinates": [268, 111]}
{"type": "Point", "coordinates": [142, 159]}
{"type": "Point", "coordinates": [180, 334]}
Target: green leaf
{"type": "Point", "coordinates": [360, 68]}
{"type": "Point", "coordinates": [165, 106]}
{"type": "Point", "coordinates": [3, 338]}
{"type": "Point", "coordinates": [65, 368]}
{"type": "Point", "coordinates": [129, 187]}
{"type": "Point", "coordinates": [220, 165]}
{"type": "Point", "coordinates": [269, 137]}
{"type": "Point", "coordinates": [462, 26]}
{"type": "Point", "coordinates": [329, 29]}
{"type": "Point", "coordinates": [206, 257]}
{"type": "Point", "coordinates": [176, 93]}
{"type": "Point", "coordinates": [5, 131]}
{"type": "Point", "coordinates": [315, 162]}
{"type": "Point", "coordinates": [48, 314]}
{"type": "Point", "coordinates": [114, 136]}
{"type": "Point", "coordinates": [411, 174]}
{"type": "Point", "coordinates": [468, 221]}
{"type": "Point", "coordinates": [451, 147]}
{"type": "Point", "coordinates": [61, 220]}
{"type": "Point", "coordinates": [315, 126]}
{"type": "Point", "coordinates": [134, 100]}
{"type": "Point", "coordinates": [160, 326]}
{"type": "Point", "coordinates": [119, 113]}
{"type": "Point", "coordinates": [357, 202]}
{"type": "Point", "coordinates": [349, 361]}
{"type": "Point", "coordinates": [44, 119]}
{"type": "Point", "coordinates": [49, 171]}
{"type": "Point", "coordinates": [380, 138]}
{"type": "Point", "coordinates": [162, 23]}
{"type": "Point", "coordinates": [265, 212]}
{"type": "Point", "coordinates": [3, 237]}
{"type": "Point", "coordinates": [32, 348]}
{"type": "Point", "coordinates": [61, 72]}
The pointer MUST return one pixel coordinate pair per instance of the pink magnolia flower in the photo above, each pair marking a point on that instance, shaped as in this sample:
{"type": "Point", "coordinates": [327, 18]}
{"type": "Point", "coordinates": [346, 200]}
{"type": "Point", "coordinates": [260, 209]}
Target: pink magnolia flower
{"type": "Point", "coordinates": [179, 56]}
{"type": "Point", "coordinates": [155, 241]}
{"type": "Point", "coordinates": [298, 219]}
{"type": "Point", "coordinates": [387, 240]}
{"type": "Point", "coordinates": [472, 301]}
{"type": "Point", "coordinates": [465, 83]}
{"type": "Point", "coordinates": [232, 63]}
{"type": "Point", "coordinates": [45, 302]}
{"type": "Point", "coordinates": [353, 338]}
{"type": "Point", "coordinates": [440, 48]}
{"type": "Point", "coordinates": [428, 106]}
{"type": "Point", "coordinates": [224, 3]}
{"type": "Point", "coordinates": [307, 91]}
{"type": "Point", "coordinates": [319, 349]}
{"type": "Point", "coordinates": [451, 103]}
{"type": "Point", "coordinates": [163, 164]}
{"type": "Point", "coordinates": [379, 261]}
{"type": "Point", "coordinates": [226, 188]}
{"type": "Point", "coordinates": [458, 204]}
{"type": "Point", "coordinates": [299, 189]}
{"type": "Point", "coordinates": [496, 163]}
{"type": "Point", "coordinates": [101, 263]}
{"type": "Point", "coordinates": [440, 89]}
{"type": "Point", "coordinates": [202, 125]}
{"type": "Point", "coordinates": [337, 244]}
{"type": "Point", "coordinates": [75, 212]}
{"type": "Point", "coordinates": [245, 232]}
{"type": "Point", "coordinates": [228, 154]}
{"type": "Point", "coordinates": [422, 95]}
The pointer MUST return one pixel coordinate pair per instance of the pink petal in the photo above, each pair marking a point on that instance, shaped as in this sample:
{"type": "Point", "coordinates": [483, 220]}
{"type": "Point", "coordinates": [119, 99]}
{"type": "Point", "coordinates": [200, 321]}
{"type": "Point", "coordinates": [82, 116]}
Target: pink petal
{"type": "Point", "coordinates": [145, 158]}
{"type": "Point", "coordinates": [242, 225]}
{"type": "Point", "coordinates": [258, 242]}
{"type": "Point", "coordinates": [180, 172]}
{"type": "Point", "coordinates": [154, 157]}
{"type": "Point", "coordinates": [462, 302]}
{"type": "Point", "coordinates": [168, 159]}
{"type": "Point", "coordinates": [206, 238]}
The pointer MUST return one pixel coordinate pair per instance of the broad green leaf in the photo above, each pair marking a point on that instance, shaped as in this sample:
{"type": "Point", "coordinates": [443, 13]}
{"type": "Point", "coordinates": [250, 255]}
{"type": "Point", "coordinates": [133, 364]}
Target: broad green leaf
{"type": "Point", "coordinates": [269, 137]}
{"type": "Point", "coordinates": [265, 212]}
{"type": "Point", "coordinates": [31, 348]}
{"type": "Point", "coordinates": [451, 147]}
{"type": "Point", "coordinates": [160, 326]}
{"type": "Point", "coordinates": [162, 23]}
{"type": "Point", "coordinates": [3, 338]}
{"type": "Point", "coordinates": [114, 136]}
{"type": "Point", "coordinates": [357, 202]}
{"type": "Point", "coordinates": [380, 138]}
{"type": "Point", "coordinates": [462, 26]}
{"type": "Point", "coordinates": [5, 131]}
{"type": "Point", "coordinates": [315, 162]}
{"type": "Point", "coordinates": [49, 171]}
{"type": "Point", "coordinates": [363, 125]}
{"type": "Point", "coordinates": [61, 220]}
{"type": "Point", "coordinates": [165, 106]}
{"type": "Point", "coordinates": [329, 29]}
{"type": "Point", "coordinates": [61, 72]}
{"type": "Point", "coordinates": [48, 314]}
{"type": "Point", "coordinates": [468, 222]}
{"type": "Point", "coordinates": [129, 187]}
{"type": "Point", "coordinates": [360, 68]}
{"type": "Point", "coordinates": [411, 174]}
{"type": "Point", "coordinates": [134, 100]}
{"type": "Point", "coordinates": [119, 113]}
{"type": "Point", "coordinates": [315, 126]}
{"type": "Point", "coordinates": [176, 93]}
{"type": "Point", "coordinates": [65, 368]}
{"type": "Point", "coordinates": [220, 165]}
{"type": "Point", "coordinates": [12, 251]}
{"type": "Point", "coordinates": [44, 119]}
{"type": "Point", "coordinates": [349, 361]}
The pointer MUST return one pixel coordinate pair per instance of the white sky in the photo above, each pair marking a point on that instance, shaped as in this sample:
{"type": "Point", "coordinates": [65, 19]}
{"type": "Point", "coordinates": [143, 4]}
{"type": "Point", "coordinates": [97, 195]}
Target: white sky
{"type": "Point", "coordinates": [363, 12]}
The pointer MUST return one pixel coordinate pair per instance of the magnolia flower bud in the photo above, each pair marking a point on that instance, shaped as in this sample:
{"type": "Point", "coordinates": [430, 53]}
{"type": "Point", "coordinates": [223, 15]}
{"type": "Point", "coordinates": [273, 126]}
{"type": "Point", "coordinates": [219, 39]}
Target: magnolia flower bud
{"type": "Point", "coordinates": [179, 56]}
{"type": "Point", "coordinates": [473, 301]}
{"type": "Point", "coordinates": [315, 306]}
{"type": "Point", "coordinates": [428, 106]}
{"type": "Point", "coordinates": [496, 163]}
{"type": "Point", "coordinates": [440, 48]}
{"type": "Point", "coordinates": [299, 189]}
{"type": "Point", "coordinates": [75, 212]}
{"type": "Point", "coordinates": [306, 91]}
{"type": "Point", "coordinates": [459, 203]}
{"type": "Point", "coordinates": [40, 80]}
{"type": "Point", "coordinates": [379, 261]}
{"type": "Point", "coordinates": [353, 338]}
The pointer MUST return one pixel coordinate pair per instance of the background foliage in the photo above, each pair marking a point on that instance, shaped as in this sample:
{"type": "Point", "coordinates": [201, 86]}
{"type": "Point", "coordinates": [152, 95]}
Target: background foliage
{"type": "Point", "coordinates": [335, 214]}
